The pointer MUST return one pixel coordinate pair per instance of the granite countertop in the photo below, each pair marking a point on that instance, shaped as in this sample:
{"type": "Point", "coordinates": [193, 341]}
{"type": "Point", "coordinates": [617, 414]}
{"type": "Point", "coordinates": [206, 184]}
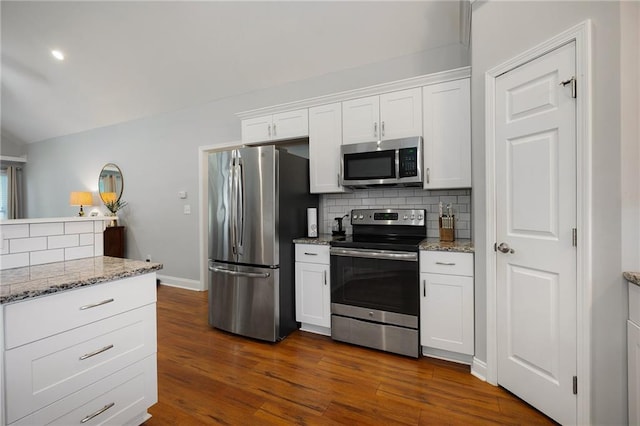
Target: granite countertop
{"type": "Point", "coordinates": [322, 240]}
{"type": "Point", "coordinates": [434, 244]}
{"type": "Point", "coordinates": [429, 244]}
{"type": "Point", "coordinates": [33, 281]}
{"type": "Point", "coordinates": [632, 277]}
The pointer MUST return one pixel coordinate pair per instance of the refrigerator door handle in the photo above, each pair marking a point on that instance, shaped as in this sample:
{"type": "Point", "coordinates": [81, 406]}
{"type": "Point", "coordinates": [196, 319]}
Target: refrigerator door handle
{"type": "Point", "coordinates": [234, 202]}
{"type": "Point", "coordinates": [240, 274]}
{"type": "Point", "coordinates": [241, 204]}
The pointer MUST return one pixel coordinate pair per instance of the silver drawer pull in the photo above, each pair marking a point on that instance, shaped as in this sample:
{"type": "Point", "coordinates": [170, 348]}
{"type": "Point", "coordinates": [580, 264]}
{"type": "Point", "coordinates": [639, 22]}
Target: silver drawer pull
{"type": "Point", "coordinates": [94, 305]}
{"type": "Point", "coordinates": [446, 263]}
{"type": "Point", "coordinates": [94, 353]}
{"type": "Point", "coordinates": [97, 413]}
{"type": "Point", "coordinates": [310, 254]}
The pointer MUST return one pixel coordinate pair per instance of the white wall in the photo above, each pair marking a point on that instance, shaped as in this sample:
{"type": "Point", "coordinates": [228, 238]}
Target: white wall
{"type": "Point", "coordinates": [10, 147]}
{"type": "Point", "coordinates": [500, 31]}
{"type": "Point", "coordinates": [630, 133]}
{"type": "Point", "coordinates": [159, 157]}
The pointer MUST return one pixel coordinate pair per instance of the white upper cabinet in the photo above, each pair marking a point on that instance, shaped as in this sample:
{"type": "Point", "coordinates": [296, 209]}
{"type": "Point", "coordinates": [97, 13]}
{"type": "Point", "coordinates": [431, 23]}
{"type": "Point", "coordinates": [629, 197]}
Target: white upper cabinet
{"type": "Point", "coordinates": [325, 138]}
{"type": "Point", "coordinates": [447, 135]}
{"type": "Point", "coordinates": [285, 125]}
{"type": "Point", "coordinates": [388, 116]}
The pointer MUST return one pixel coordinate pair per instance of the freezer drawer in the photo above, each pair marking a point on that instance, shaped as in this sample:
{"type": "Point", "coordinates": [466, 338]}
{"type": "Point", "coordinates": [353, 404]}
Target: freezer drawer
{"type": "Point", "coordinates": [244, 300]}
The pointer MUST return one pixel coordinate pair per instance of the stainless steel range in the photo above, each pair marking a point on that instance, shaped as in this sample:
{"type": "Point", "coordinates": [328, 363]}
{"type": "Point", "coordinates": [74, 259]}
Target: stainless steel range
{"type": "Point", "coordinates": [375, 281]}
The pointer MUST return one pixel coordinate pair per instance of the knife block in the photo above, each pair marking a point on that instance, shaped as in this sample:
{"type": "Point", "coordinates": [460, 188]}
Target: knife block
{"type": "Point", "coordinates": [447, 228]}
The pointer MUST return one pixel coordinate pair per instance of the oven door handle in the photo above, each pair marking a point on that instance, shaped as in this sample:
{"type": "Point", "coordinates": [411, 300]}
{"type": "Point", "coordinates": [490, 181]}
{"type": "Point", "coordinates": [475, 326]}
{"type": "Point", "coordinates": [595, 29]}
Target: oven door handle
{"type": "Point", "coordinates": [375, 254]}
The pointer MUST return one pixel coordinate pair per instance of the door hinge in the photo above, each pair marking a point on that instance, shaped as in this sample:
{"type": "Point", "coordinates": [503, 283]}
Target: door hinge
{"type": "Point", "coordinates": [574, 86]}
{"type": "Point", "coordinates": [574, 237]}
{"type": "Point", "coordinates": [575, 385]}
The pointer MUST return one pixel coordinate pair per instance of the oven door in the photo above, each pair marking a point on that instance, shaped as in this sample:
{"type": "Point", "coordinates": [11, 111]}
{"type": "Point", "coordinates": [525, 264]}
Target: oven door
{"type": "Point", "coordinates": [381, 280]}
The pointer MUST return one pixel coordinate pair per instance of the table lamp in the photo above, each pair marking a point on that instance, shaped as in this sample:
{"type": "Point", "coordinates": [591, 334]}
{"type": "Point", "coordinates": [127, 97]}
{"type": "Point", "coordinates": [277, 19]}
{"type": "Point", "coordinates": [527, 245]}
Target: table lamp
{"type": "Point", "coordinates": [80, 198]}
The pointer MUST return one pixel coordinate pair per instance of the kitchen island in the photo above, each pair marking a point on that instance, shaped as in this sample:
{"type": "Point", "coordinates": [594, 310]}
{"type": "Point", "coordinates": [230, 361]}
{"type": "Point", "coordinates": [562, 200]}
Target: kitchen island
{"type": "Point", "coordinates": [78, 342]}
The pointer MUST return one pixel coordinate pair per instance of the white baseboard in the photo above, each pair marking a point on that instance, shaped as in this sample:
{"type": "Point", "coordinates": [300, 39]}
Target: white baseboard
{"type": "Point", "coordinates": [446, 355]}
{"type": "Point", "coordinates": [325, 331]}
{"type": "Point", "coordinates": [180, 283]}
{"type": "Point", "coordinates": [479, 369]}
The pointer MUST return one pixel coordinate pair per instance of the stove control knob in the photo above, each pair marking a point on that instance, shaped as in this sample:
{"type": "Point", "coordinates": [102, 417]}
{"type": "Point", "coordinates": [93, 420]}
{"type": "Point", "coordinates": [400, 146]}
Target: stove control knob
{"type": "Point", "coordinates": [405, 217]}
{"type": "Point", "coordinates": [413, 216]}
{"type": "Point", "coordinates": [361, 217]}
{"type": "Point", "coordinates": [355, 216]}
{"type": "Point", "coordinates": [419, 217]}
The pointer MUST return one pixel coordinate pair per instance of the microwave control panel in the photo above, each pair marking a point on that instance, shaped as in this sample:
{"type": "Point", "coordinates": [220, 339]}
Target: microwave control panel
{"type": "Point", "coordinates": [408, 158]}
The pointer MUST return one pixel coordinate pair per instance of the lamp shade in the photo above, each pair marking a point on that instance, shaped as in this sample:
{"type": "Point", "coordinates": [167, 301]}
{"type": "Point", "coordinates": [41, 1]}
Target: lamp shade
{"type": "Point", "coordinates": [79, 198]}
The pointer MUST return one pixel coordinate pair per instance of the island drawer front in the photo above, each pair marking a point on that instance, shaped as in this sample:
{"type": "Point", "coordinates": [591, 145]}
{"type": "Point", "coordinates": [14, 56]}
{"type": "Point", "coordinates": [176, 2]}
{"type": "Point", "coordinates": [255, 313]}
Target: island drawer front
{"type": "Point", "coordinates": [312, 253]}
{"type": "Point", "coordinates": [32, 319]}
{"type": "Point", "coordinates": [42, 372]}
{"type": "Point", "coordinates": [446, 262]}
{"type": "Point", "coordinates": [131, 391]}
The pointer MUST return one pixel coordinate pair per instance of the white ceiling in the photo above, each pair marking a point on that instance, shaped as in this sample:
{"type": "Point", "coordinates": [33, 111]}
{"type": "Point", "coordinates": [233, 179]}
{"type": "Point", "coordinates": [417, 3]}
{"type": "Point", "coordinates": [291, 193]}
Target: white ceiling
{"type": "Point", "coordinates": [126, 60]}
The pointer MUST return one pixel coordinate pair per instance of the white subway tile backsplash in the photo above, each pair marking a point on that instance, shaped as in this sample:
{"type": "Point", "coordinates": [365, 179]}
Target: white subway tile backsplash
{"type": "Point", "coordinates": [78, 252]}
{"type": "Point", "coordinates": [15, 231]}
{"type": "Point", "coordinates": [334, 205]}
{"type": "Point", "coordinates": [62, 241]}
{"type": "Point", "coordinates": [86, 239]}
{"type": "Point", "coordinates": [46, 229]}
{"type": "Point", "coordinates": [78, 227]}
{"type": "Point", "coordinates": [46, 256]}
{"type": "Point", "coordinates": [17, 260]}
{"type": "Point", "coordinates": [21, 245]}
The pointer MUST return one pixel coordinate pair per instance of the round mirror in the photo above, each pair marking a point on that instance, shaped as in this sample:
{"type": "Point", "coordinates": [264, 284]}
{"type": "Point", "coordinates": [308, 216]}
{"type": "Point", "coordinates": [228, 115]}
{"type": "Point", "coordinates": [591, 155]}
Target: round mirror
{"type": "Point", "coordinates": [110, 183]}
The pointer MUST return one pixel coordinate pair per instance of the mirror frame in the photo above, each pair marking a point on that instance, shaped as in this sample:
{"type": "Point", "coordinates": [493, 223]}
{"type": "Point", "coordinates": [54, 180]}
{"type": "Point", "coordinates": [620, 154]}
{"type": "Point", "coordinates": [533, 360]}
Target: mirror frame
{"type": "Point", "coordinates": [111, 167]}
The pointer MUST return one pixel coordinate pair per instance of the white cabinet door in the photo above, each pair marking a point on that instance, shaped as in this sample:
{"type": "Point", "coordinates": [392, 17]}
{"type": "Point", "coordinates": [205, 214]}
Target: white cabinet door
{"type": "Point", "coordinates": [633, 360]}
{"type": "Point", "coordinates": [401, 114]}
{"type": "Point", "coordinates": [312, 294]}
{"type": "Point", "coordinates": [360, 120]}
{"type": "Point", "coordinates": [256, 129]}
{"type": "Point", "coordinates": [447, 135]}
{"type": "Point", "coordinates": [446, 312]}
{"type": "Point", "coordinates": [285, 125]}
{"type": "Point", "coordinates": [325, 138]}
{"type": "Point", "coordinates": [290, 124]}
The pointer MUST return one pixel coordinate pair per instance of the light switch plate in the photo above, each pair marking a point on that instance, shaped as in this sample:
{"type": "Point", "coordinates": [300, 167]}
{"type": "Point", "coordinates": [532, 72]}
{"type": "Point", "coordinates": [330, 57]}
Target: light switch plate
{"type": "Point", "coordinates": [187, 209]}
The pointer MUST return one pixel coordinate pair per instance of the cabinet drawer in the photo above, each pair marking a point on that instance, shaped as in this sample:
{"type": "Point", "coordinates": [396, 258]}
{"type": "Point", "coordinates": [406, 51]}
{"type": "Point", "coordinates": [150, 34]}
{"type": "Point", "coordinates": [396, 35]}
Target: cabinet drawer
{"type": "Point", "coordinates": [42, 372]}
{"type": "Point", "coordinates": [312, 253]}
{"type": "Point", "coordinates": [446, 262]}
{"type": "Point", "coordinates": [34, 319]}
{"type": "Point", "coordinates": [131, 391]}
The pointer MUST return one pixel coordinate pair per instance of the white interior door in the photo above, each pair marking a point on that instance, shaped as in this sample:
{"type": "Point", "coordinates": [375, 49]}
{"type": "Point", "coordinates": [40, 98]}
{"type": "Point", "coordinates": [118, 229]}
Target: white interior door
{"type": "Point", "coordinates": [535, 158]}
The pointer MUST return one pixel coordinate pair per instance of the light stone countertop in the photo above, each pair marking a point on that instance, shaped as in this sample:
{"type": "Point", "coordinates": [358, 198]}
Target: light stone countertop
{"type": "Point", "coordinates": [428, 244]}
{"type": "Point", "coordinates": [33, 281]}
{"type": "Point", "coordinates": [632, 277]}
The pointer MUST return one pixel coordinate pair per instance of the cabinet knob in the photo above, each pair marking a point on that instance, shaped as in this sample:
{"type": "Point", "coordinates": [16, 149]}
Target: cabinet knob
{"type": "Point", "coordinates": [375, 130]}
{"type": "Point", "coordinates": [269, 129]}
{"type": "Point", "coordinates": [382, 128]}
{"type": "Point", "coordinates": [274, 129]}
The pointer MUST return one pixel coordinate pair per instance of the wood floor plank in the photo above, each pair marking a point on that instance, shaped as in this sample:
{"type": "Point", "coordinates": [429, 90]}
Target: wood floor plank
{"type": "Point", "coordinates": [207, 377]}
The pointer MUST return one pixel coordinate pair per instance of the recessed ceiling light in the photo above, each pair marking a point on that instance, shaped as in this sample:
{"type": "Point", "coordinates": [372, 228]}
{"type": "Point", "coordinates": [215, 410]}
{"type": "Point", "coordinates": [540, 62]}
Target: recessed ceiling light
{"type": "Point", "coordinates": [58, 55]}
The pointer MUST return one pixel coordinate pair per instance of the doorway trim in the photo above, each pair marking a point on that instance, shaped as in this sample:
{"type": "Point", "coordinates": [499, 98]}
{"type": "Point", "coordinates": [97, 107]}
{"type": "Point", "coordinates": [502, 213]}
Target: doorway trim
{"type": "Point", "coordinates": [581, 34]}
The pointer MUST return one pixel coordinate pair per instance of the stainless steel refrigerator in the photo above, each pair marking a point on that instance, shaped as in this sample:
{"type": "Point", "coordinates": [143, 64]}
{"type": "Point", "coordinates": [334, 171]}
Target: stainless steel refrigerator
{"type": "Point", "coordinates": [258, 198]}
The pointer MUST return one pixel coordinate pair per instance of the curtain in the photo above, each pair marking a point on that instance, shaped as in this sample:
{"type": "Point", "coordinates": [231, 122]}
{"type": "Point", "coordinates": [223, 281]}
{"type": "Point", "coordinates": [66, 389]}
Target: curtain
{"type": "Point", "coordinates": [14, 192]}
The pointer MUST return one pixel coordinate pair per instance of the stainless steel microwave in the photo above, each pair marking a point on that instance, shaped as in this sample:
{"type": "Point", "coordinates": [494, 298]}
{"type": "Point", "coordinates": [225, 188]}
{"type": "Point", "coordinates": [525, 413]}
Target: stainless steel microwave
{"type": "Point", "coordinates": [396, 162]}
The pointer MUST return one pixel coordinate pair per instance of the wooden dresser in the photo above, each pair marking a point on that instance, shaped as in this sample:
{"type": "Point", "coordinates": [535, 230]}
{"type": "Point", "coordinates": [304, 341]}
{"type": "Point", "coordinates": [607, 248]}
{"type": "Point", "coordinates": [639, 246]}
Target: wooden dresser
{"type": "Point", "coordinates": [114, 241]}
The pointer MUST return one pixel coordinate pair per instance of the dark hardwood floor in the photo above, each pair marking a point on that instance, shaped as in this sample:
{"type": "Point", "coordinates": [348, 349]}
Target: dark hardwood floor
{"type": "Point", "coordinates": [206, 376]}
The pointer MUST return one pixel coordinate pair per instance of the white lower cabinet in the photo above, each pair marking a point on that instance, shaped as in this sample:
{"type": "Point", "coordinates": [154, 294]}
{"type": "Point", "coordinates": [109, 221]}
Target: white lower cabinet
{"type": "Point", "coordinates": [633, 354]}
{"type": "Point", "coordinates": [313, 288]}
{"type": "Point", "coordinates": [446, 305]}
{"type": "Point", "coordinates": [93, 361]}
